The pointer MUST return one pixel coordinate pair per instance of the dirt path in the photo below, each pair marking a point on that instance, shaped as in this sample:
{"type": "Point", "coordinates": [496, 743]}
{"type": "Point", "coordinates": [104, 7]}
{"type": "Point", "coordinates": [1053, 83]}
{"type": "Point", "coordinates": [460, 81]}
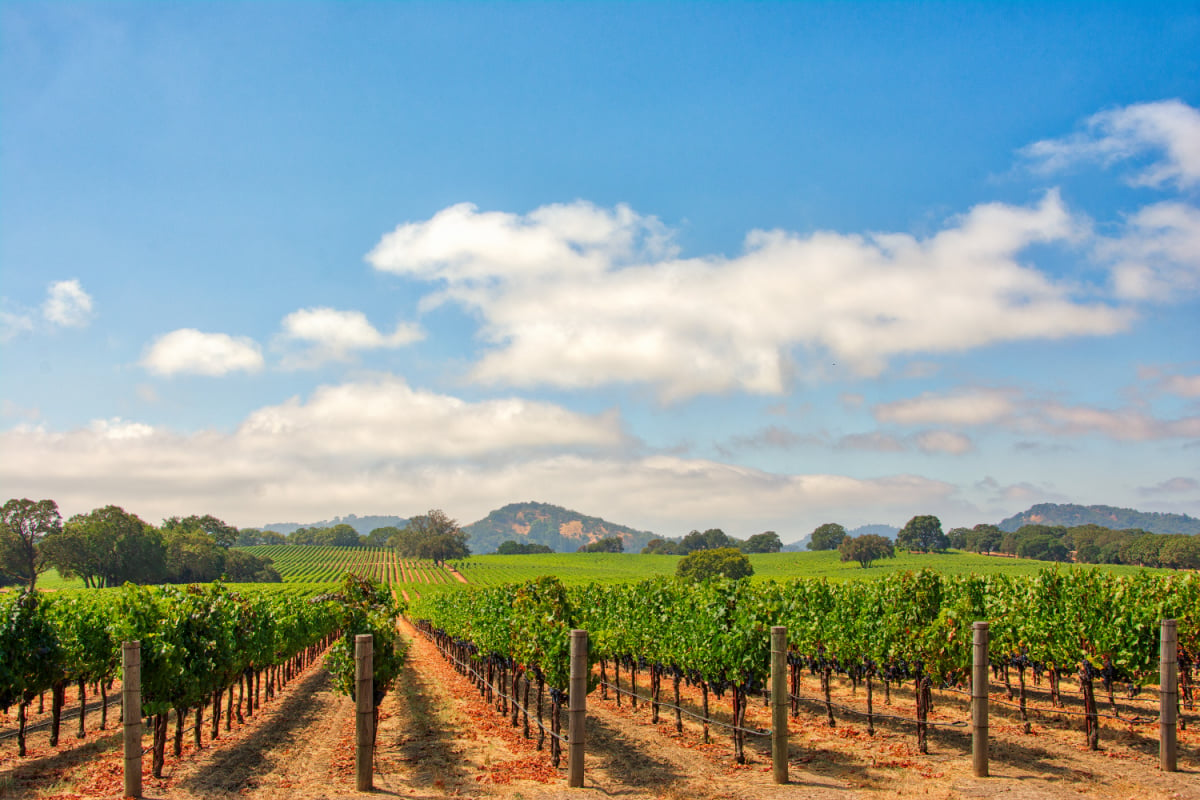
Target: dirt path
{"type": "Point", "coordinates": [437, 738]}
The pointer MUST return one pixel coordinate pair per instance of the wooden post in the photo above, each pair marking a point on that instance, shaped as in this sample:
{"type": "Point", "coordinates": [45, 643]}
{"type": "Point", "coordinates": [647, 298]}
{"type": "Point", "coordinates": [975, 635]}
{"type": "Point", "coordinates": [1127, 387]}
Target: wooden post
{"type": "Point", "coordinates": [131, 713]}
{"type": "Point", "coordinates": [1168, 671]}
{"type": "Point", "coordinates": [979, 699]}
{"type": "Point", "coordinates": [577, 708]}
{"type": "Point", "coordinates": [364, 693]}
{"type": "Point", "coordinates": [779, 704]}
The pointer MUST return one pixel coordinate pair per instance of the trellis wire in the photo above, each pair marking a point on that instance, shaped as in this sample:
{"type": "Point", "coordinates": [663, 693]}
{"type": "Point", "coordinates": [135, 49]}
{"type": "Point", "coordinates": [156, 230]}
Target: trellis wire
{"type": "Point", "coordinates": [709, 720]}
{"type": "Point", "coordinates": [470, 668]}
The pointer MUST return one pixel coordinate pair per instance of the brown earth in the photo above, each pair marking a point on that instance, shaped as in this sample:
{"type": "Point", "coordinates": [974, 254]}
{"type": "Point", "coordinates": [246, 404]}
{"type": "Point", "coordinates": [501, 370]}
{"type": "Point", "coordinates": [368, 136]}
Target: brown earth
{"type": "Point", "coordinates": [437, 738]}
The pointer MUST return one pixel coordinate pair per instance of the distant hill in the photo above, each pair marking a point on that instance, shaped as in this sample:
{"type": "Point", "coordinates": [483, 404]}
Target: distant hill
{"type": "Point", "coordinates": [1070, 515]}
{"type": "Point", "coordinates": [363, 525]}
{"type": "Point", "coordinates": [541, 523]}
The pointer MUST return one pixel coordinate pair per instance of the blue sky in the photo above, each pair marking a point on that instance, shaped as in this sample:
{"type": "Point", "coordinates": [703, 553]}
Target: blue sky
{"type": "Point", "coordinates": [754, 266]}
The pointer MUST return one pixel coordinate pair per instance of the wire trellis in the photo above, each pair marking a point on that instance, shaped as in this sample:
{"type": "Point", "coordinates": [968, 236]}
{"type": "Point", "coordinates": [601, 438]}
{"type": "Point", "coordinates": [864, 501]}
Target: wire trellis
{"type": "Point", "coordinates": [682, 710]}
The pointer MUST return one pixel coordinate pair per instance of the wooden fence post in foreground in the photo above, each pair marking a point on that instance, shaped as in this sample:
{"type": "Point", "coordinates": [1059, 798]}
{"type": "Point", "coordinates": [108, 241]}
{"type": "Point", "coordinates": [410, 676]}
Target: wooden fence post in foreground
{"type": "Point", "coordinates": [779, 704]}
{"type": "Point", "coordinates": [979, 699]}
{"type": "Point", "coordinates": [1168, 695]}
{"type": "Point", "coordinates": [131, 713]}
{"type": "Point", "coordinates": [364, 693]}
{"type": "Point", "coordinates": [577, 708]}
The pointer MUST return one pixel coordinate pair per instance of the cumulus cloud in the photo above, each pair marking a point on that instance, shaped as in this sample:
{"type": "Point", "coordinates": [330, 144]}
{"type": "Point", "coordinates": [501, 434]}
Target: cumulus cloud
{"type": "Point", "coordinates": [333, 335]}
{"type": "Point", "coordinates": [386, 418]}
{"type": "Point", "coordinates": [67, 304]}
{"type": "Point", "coordinates": [189, 351]}
{"type": "Point", "coordinates": [1157, 257]}
{"type": "Point", "coordinates": [579, 296]}
{"type": "Point", "coordinates": [367, 447]}
{"type": "Point", "coordinates": [1009, 410]}
{"type": "Point", "coordinates": [1169, 129]}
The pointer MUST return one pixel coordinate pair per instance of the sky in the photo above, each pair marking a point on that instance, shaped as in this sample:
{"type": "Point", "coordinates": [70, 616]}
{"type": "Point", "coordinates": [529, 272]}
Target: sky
{"type": "Point", "coordinates": [678, 265]}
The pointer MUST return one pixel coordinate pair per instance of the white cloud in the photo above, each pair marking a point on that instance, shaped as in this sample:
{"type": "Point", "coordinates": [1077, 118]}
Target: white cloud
{"type": "Point", "coordinates": [462, 245]}
{"type": "Point", "coordinates": [334, 335]}
{"type": "Point", "coordinates": [189, 351]}
{"type": "Point", "coordinates": [405, 451]}
{"type": "Point", "coordinates": [592, 297]}
{"type": "Point", "coordinates": [13, 325]}
{"type": "Point", "coordinates": [949, 442]}
{"type": "Point", "coordinates": [67, 304]}
{"type": "Point", "coordinates": [1169, 128]}
{"type": "Point", "coordinates": [971, 407]}
{"type": "Point", "coordinates": [385, 418]}
{"type": "Point", "coordinates": [1158, 256]}
{"type": "Point", "coordinates": [1010, 411]}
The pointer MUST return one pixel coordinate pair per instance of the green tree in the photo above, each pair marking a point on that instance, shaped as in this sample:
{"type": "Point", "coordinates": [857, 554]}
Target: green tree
{"type": "Point", "coordinates": [107, 547]}
{"type": "Point", "coordinates": [703, 564]}
{"type": "Point", "coordinates": [221, 533]}
{"type": "Point", "coordinates": [434, 535]}
{"type": "Point", "coordinates": [609, 544]}
{"type": "Point", "coordinates": [242, 567]}
{"type": "Point", "coordinates": [866, 549]}
{"type": "Point", "coordinates": [765, 542]}
{"type": "Point", "coordinates": [378, 537]}
{"type": "Point", "coordinates": [343, 535]}
{"type": "Point", "coordinates": [827, 537]}
{"type": "Point", "coordinates": [514, 548]}
{"type": "Point", "coordinates": [192, 556]}
{"type": "Point", "coordinates": [662, 547]}
{"type": "Point", "coordinates": [711, 539]}
{"type": "Point", "coordinates": [1044, 547]}
{"type": "Point", "coordinates": [23, 526]}
{"type": "Point", "coordinates": [923, 533]}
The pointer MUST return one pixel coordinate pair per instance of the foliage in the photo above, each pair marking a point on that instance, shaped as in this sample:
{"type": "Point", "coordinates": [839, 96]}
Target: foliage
{"type": "Point", "coordinates": [107, 547]}
{"type": "Point", "coordinates": [434, 536]}
{"type": "Point", "coordinates": [866, 549]}
{"type": "Point", "coordinates": [511, 548]}
{"type": "Point", "coordinates": [365, 606]}
{"type": "Point", "coordinates": [923, 532]}
{"type": "Point", "coordinates": [24, 524]}
{"type": "Point", "coordinates": [222, 534]}
{"type": "Point", "coordinates": [727, 562]}
{"type": "Point", "coordinates": [765, 542]}
{"type": "Point", "coordinates": [610, 544]}
{"type": "Point", "coordinates": [558, 528]}
{"type": "Point", "coordinates": [827, 537]}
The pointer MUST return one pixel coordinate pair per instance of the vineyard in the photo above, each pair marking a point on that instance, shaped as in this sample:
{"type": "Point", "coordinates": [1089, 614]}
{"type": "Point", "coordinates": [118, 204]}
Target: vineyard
{"type": "Point", "coordinates": [909, 628]}
{"type": "Point", "coordinates": [199, 646]}
{"type": "Point", "coordinates": [305, 564]}
{"type": "Point", "coordinates": [888, 659]}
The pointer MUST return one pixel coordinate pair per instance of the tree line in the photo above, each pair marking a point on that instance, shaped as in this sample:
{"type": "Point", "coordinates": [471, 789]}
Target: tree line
{"type": "Point", "coordinates": [109, 546]}
{"type": "Point", "coordinates": [1084, 544]}
{"type": "Point", "coordinates": [715, 539]}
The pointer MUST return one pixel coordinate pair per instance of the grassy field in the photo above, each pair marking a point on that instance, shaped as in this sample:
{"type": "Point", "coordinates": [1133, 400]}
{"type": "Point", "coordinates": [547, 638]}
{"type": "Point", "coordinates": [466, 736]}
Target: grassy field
{"type": "Point", "coordinates": [324, 564]}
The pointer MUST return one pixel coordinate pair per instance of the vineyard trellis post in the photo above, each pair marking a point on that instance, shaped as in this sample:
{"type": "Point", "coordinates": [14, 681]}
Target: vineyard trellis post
{"type": "Point", "coordinates": [1168, 667]}
{"type": "Point", "coordinates": [577, 708]}
{"type": "Point", "coordinates": [779, 704]}
{"type": "Point", "coordinates": [979, 699]}
{"type": "Point", "coordinates": [364, 670]}
{"type": "Point", "coordinates": [131, 713]}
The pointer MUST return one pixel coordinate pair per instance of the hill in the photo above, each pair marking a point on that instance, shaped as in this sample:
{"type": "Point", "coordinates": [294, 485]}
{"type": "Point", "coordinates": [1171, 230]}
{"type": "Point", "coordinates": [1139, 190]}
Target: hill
{"type": "Point", "coordinates": [1070, 515]}
{"type": "Point", "coordinates": [363, 525]}
{"type": "Point", "coordinates": [541, 523]}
